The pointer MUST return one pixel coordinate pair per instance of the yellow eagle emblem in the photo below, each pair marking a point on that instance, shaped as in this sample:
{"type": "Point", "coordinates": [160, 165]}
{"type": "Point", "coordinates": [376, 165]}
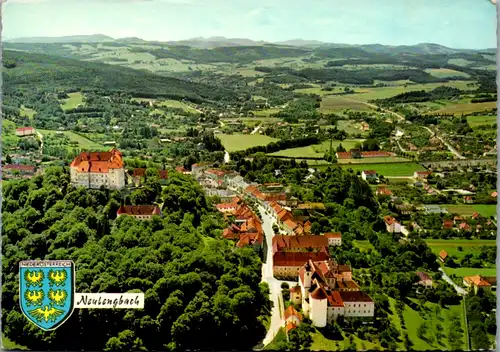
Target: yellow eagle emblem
{"type": "Point", "coordinates": [34, 278]}
{"type": "Point", "coordinates": [34, 298]}
{"type": "Point", "coordinates": [46, 313]}
{"type": "Point", "coordinates": [58, 297]}
{"type": "Point", "coordinates": [57, 277]}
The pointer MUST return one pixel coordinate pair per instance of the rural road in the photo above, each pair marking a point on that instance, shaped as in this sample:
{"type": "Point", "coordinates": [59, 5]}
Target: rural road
{"type": "Point", "coordinates": [450, 148]}
{"type": "Point", "coordinates": [267, 276]}
{"type": "Point", "coordinates": [227, 158]}
{"type": "Point", "coordinates": [401, 117]}
{"type": "Point", "coordinates": [446, 278]}
{"type": "Point", "coordinates": [430, 131]}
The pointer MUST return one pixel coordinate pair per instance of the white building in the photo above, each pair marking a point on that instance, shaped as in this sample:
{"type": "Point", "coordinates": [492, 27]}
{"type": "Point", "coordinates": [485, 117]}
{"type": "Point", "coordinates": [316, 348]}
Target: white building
{"type": "Point", "coordinates": [98, 169]}
{"type": "Point", "coordinates": [25, 131]}
{"type": "Point", "coordinates": [334, 238]}
{"type": "Point", "coordinates": [369, 175]}
{"type": "Point", "coordinates": [140, 212]}
{"type": "Point", "coordinates": [392, 225]}
{"type": "Point", "coordinates": [328, 292]}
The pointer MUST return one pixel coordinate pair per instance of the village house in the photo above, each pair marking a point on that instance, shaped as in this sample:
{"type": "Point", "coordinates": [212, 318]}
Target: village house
{"type": "Point", "coordinates": [140, 212]}
{"type": "Point", "coordinates": [392, 225]}
{"type": "Point", "coordinates": [18, 170]}
{"type": "Point", "coordinates": [323, 299]}
{"type": "Point", "coordinates": [383, 192]}
{"type": "Point", "coordinates": [299, 243]}
{"type": "Point", "coordinates": [369, 175]}
{"type": "Point", "coordinates": [448, 224]}
{"type": "Point", "coordinates": [292, 316]}
{"type": "Point", "coordinates": [468, 200]}
{"type": "Point", "coordinates": [480, 282]}
{"type": "Point", "coordinates": [443, 255]}
{"type": "Point", "coordinates": [237, 183]}
{"type": "Point", "coordinates": [295, 296]}
{"type": "Point", "coordinates": [197, 169]}
{"type": "Point", "coordinates": [334, 238]}
{"type": "Point", "coordinates": [425, 279]}
{"type": "Point", "coordinates": [25, 131]}
{"type": "Point", "coordinates": [98, 169]}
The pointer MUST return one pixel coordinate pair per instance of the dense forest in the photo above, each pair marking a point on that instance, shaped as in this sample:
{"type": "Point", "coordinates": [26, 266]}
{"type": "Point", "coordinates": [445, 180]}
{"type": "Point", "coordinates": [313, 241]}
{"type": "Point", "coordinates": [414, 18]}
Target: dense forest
{"type": "Point", "coordinates": [200, 291]}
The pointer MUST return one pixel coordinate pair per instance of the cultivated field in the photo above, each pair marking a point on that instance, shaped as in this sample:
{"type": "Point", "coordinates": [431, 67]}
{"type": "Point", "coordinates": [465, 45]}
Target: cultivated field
{"type": "Point", "coordinates": [391, 170]}
{"type": "Point", "coordinates": [445, 73]}
{"type": "Point", "coordinates": [265, 112]}
{"type": "Point", "coordinates": [335, 103]}
{"type": "Point", "coordinates": [476, 121]}
{"type": "Point", "coordinates": [451, 246]}
{"type": "Point", "coordinates": [169, 104]}
{"type": "Point", "coordinates": [316, 150]}
{"type": "Point", "coordinates": [458, 109]}
{"type": "Point", "coordinates": [350, 127]}
{"type": "Point", "coordinates": [485, 210]}
{"type": "Point", "coordinates": [235, 142]}
{"type": "Point", "coordinates": [74, 100]}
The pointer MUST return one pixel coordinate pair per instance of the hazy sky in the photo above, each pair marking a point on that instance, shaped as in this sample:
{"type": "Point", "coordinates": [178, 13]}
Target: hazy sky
{"type": "Point", "coordinates": [454, 23]}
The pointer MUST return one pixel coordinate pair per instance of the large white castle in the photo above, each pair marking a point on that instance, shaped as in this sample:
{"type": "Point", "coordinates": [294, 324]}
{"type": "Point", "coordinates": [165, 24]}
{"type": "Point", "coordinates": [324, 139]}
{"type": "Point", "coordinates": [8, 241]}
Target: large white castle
{"type": "Point", "coordinates": [326, 290]}
{"type": "Point", "coordinates": [96, 169]}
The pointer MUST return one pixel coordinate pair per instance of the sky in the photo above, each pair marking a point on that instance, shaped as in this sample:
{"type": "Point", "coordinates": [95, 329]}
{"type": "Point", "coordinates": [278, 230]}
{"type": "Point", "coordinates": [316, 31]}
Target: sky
{"type": "Point", "coordinates": [453, 23]}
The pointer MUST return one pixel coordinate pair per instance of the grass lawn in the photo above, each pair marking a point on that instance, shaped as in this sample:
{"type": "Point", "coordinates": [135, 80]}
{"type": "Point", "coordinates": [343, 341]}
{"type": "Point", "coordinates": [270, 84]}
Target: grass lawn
{"type": "Point", "coordinates": [234, 142]}
{"type": "Point", "coordinates": [395, 170]}
{"type": "Point", "coordinates": [83, 142]}
{"type": "Point", "coordinates": [471, 271]}
{"type": "Point", "coordinates": [476, 121]}
{"type": "Point", "coordinates": [321, 343]}
{"type": "Point", "coordinates": [265, 113]}
{"type": "Point", "coordinates": [451, 246]}
{"type": "Point", "coordinates": [350, 127]}
{"type": "Point", "coordinates": [336, 103]}
{"type": "Point", "coordinates": [179, 105]}
{"type": "Point", "coordinates": [363, 245]}
{"type": "Point", "coordinates": [485, 210]}
{"type": "Point", "coordinates": [74, 100]}
{"type": "Point", "coordinates": [11, 345]}
{"type": "Point", "coordinates": [458, 109]}
{"type": "Point", "coordinates": [433, 316]}
{"type": "Point", "coordinates": [316, 150]}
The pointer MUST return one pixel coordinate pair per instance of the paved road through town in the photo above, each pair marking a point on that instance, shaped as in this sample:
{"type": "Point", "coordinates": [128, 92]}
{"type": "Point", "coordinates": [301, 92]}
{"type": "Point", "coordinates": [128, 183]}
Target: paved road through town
{"type": "Point", "coordinates": [267, 276]}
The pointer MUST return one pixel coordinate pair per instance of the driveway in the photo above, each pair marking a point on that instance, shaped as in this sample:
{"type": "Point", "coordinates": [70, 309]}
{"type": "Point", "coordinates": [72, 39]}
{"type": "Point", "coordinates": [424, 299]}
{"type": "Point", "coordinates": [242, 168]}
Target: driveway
{"type": "Point", "coordinates": [461, 291]}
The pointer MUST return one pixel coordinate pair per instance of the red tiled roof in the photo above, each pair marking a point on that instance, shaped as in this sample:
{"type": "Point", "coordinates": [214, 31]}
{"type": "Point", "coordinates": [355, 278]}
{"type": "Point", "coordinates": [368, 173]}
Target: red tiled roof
{"type": "Point", "coordinates": [295, 288]}
{"type": "Point", "coordinates": [290, 326]}
{"type": "Point", "coordinates": [383, 190]}
{"type": "Point", "coordinates": [163, 174]}
{"type": "Point", "coordinates": [98, 162]}
{"type": "Point", "coordinates": [225, 206]}
{"type": "Point", "coordinates": [295, 242]}
{"type": "Point", "coordinates": [448, 224]}
{"type": "Point", "coordinates": [355, 296]}
{"type": "Point", "coordinates": [494, 194]}
{"type": "Point", "coordinates": [477, 280]}
{"type": "Point", "coordinates": [19, 167]}
{"type": "Point", "coordinates": [375, 154]}
{"type": "Point", "coordinates": [369, 172]}
{"type": "Point", "coordinates": [335, 299]}
{"type": "Point", "coordinates": [24, 129]}
{"type": "Point", "coordinates": [139, 210]}
{"type": "Point", "coordinates": [290, 311]}
{"type": "Point", "coordinates": [443, 254]}
{"type": "Point", "coordinates": [297, 258]}
{"type": "Point", "coordinates": [319, 293]}
{"type": "Point", "coordinates": [181, 169]}
{"type": "Point", "coordinates": [344, 155]}
{"type": "Point", "coordinates": [389, 220]}
{"type": "Point", "coordinates": [218, 173]}
{"type": "Point", "coordinates": [423, 276]}
{"type": "Point", "coordinates": [332, 235]}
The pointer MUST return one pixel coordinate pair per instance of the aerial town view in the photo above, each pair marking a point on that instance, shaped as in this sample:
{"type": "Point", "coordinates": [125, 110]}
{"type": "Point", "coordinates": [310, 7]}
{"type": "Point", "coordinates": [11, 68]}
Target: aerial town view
{"type": "Point", "coordinates": [256, 191]}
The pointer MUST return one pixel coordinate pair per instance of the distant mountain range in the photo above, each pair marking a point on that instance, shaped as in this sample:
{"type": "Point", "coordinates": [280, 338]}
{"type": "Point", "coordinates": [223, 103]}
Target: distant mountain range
{"type": "Point", "coordinates": [216, 42]}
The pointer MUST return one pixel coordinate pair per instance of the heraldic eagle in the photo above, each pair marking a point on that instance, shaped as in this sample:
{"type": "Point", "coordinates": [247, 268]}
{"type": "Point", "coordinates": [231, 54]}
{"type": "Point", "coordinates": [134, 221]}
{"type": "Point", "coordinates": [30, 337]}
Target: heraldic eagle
{"type": "Point", "coordinates": [46, 313]}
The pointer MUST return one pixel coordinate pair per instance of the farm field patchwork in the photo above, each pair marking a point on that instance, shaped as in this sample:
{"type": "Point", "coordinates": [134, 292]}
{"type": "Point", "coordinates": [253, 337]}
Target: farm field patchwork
{"type": "Point", "coordinates": [451, 246]}
{"type": "Point", "coordinates": [235, 142]}
{"type": "Point", "coordinates": [73, 101]}
{"type": "Point", "coordinates": [445, 72]}
{"type": "Point", "coordinates": [387, 169]}
{"type": "Point", "coordinates": [265, 113]}
{"type": "Point", "coordinates": [477, 121]}
{"type": "Point", "coordinates": [485, 210]}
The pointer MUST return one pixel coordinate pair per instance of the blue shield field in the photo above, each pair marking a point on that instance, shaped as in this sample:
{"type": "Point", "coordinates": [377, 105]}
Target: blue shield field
{"type": "Point", "coordinates": [46, 289]}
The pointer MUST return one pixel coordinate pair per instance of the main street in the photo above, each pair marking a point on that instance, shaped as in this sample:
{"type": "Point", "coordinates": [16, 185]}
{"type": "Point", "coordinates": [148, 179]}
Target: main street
{"type": "Point", "coordinates": [267, 276]}
{"type": "Point", "coordinates": [457, 288]}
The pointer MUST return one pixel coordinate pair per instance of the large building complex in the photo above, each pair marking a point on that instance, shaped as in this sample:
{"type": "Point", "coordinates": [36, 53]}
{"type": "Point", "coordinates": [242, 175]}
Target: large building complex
{"type": "Point", "coordinates": [98, 169]}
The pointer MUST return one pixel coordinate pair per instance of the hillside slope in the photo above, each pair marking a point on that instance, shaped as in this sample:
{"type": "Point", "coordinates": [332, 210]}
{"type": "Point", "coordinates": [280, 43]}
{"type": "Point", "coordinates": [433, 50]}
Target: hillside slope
{"type": "Point", "coordinates": [49, 73]}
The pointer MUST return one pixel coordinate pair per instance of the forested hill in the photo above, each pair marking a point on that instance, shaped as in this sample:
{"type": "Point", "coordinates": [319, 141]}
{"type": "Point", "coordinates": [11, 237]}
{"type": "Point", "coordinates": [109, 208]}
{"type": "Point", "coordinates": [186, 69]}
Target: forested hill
{"type": "Point", "coordinates": [50, 73]}
{"type": "Point", "coordinates": [200, 291]}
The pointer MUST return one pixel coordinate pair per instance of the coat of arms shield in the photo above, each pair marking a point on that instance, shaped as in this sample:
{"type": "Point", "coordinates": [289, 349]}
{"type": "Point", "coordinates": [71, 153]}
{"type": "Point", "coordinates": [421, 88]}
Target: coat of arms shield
{"type": "Point", "coordinates": [46, 290]}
